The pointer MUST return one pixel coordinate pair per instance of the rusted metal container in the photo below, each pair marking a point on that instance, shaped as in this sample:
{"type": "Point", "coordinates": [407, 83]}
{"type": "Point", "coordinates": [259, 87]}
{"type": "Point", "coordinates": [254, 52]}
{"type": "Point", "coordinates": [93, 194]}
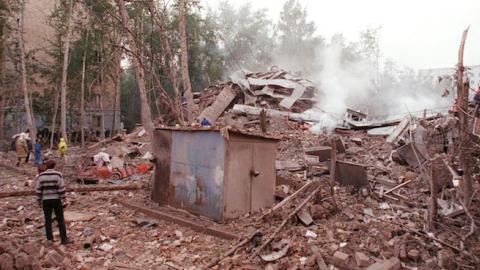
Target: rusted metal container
{"type": "Point", "coordinates": [215, 173]}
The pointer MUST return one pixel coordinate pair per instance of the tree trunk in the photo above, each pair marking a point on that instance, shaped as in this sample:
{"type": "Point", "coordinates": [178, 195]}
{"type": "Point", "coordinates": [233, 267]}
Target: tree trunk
{"type": "Point", "coordinates": [139, 72]}
{"type": "Point", "coordinates": [465, 145]}
{"type": "Point", "coordinates": [116, 104]}
{"type": "Point", "coordinates": [187, 87]}
{"type": "Point", "coordinates": [54, 118]}
{"type": "Point", "coordinates": [82, 93]}
{"type": "Point", "coordinates": [63, 90]}
{"type": "Point", "coordinates": [26, 95]}
{"type": "Point", "coordinates": [3, 75]}
{"type": "Point", "coordinates": [102, 89]}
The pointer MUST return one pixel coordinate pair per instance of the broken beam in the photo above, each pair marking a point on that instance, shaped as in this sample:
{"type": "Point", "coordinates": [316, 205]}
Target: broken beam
{"type": "Point", "coordinates": [397, 187]}
{"type": "Point", "coordinates": [21, 193]}
{"type": "Point", "coordinates": [181, 221]}
{"type": "Point", "coordinates": [286, 200]}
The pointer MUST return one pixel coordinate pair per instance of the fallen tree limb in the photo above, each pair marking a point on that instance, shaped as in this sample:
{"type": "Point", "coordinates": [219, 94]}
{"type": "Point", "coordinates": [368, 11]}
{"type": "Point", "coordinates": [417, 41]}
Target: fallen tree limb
{"type": "Point", "coordinates": [21, 193]}
{"type": "Point", "coordinates": [230, 251]}
{"type": "Point", "coordinates": [284, 222]}
{"type": "Point", "coordinates": [286, 200]}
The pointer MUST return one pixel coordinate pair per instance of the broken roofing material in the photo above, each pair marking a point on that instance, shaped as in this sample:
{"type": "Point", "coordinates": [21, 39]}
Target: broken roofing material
{"type": "Point", "coordinates": [277, 88]}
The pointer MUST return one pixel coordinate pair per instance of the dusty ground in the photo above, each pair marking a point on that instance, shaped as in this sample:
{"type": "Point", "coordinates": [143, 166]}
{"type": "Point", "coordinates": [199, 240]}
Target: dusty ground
{"type": "Point", "coordinates": [355, 224]}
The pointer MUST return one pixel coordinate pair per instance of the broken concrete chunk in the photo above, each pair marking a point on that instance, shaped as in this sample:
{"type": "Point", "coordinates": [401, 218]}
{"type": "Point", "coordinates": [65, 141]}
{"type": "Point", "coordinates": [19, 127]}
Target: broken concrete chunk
{"type": "Point", "coordinates": [361, 259]}
{"type": "Point", "coordinates": [413, 254]}
{"type": "Point", "coordinates": [53, 258]}
{"type": "Point", "coordinates": [275, 255]}
{"type": "Point", "coordinates": [305, 217]}
{"type": "Point", "coordinates": [322, 152]}
{"type": "Point", "coordinates": [340, 258]}
{"type": "Point", "coordinates": [390, 264]}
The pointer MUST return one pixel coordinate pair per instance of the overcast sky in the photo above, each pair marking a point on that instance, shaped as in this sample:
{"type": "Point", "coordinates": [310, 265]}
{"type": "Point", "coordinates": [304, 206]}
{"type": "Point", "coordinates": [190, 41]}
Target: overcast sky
{"type": "Point", "coordinates": [415, 33]}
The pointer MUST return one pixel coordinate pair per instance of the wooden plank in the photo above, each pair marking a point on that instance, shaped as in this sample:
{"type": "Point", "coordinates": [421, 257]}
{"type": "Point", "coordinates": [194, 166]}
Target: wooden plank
{"type": "Point", "coordinates": [194, 225]}
{"type": "Point", "coordinates": [398, 130]}
{"type": "Point", "coordinates": [212, 112]}
{"type": "Point", "coordinates": [286, 200]}
{"type": "Point", "coordinates": [21, 193]}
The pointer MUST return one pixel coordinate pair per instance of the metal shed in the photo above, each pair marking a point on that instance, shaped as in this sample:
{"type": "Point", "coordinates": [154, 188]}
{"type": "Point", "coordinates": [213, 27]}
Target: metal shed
{"type": "Point", "coordinates": [215, 173]}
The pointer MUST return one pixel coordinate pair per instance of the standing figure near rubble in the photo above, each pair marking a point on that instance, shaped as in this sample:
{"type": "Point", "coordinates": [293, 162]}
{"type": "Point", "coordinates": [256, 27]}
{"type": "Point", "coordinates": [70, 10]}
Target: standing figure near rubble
{"type": "Point", "coordinates": [50, 189]}
{"type": "Point", "coordinates": [62, 148]}
{"type": "Point", "coordinates": [38, 154]}
{"type": "Point", "coordinates": [21, 148]}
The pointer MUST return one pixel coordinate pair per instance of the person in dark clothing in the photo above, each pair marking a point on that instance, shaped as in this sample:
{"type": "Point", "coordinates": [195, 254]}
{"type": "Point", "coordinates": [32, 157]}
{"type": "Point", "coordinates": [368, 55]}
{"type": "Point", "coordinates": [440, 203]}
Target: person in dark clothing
{"type": "Point", "coordinates": [50, 189]}
{"type": "Point", "coordinates": [30, 149]}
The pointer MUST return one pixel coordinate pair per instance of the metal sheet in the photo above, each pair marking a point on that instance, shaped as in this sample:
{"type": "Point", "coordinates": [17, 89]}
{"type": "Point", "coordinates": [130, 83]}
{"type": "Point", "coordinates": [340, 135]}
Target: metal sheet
{"type": "Point", "coordinates": [263, 184]}
{"type": "Point", "coordinates": [237, 186]}
{"type": "Point", "coordinates": [161, 149]}
{"type": "Point", "coordinates": [197, 163]}
{"type": "Point", "coordinates": [408, 154]}
{"type": "Point", "coordinates": [350, 174]}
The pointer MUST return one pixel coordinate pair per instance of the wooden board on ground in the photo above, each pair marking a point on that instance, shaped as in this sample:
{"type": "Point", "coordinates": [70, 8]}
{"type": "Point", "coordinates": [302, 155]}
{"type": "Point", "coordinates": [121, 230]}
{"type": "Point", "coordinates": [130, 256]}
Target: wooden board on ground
{"type": "Point", "coordinates": [71, 216]}
{"type": "Point", "coordinates": [222, 101]}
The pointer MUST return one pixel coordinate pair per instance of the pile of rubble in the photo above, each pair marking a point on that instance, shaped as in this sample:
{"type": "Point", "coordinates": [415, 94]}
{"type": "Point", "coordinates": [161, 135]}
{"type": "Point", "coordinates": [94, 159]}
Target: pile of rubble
{"type": "Point", "coordinates": [277, 90]}
{"type": "Point", "coordinates": [359, 198]}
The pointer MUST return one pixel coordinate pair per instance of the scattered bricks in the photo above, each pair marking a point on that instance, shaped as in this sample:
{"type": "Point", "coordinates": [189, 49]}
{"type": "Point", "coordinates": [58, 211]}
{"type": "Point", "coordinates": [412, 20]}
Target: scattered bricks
{"type": "Point", "coordinates": [413, 254]}
{"type": "Point", "coordinates": [6, 261]}
{"type": "Point", "coordinates": [395, 156]}
{"type": "Point", "coordinates": [361, 259]}
{"type": "Point", "coordinates": [23, 261]}
{"type": "Point", "coordinates": [391, 264]}
{"type": "Point", "coordinates": [32, 249]}
{"type": "Point", "coordinates": [340, 258]}
{"type": "Point", "coordinates": [357, 141]}
{"type": "Point", "coordinates": [445, 259]}
{"type": "Point", "coordinates": [53, 258]}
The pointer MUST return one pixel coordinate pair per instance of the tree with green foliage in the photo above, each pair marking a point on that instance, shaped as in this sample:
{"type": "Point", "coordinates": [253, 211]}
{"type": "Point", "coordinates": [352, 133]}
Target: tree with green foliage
{"type": "Point", "coordinates": [297, 43]}
{"type": "Point", "coordinates": [245, 35]}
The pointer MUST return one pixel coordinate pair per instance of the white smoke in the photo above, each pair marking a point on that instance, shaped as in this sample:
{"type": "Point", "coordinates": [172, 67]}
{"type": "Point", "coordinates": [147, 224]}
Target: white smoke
{"type": "Point", "coordinates": [340, 86]}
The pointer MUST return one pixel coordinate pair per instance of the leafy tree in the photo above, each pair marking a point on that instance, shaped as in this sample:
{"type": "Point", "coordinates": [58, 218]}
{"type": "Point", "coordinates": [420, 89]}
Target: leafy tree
{"type": "Point", "coordinates": [245, 35]}
{"type": "Point", "coordinates": [297, 40]}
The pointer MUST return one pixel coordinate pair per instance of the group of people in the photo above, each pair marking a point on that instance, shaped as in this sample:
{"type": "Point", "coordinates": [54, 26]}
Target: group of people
{"type": "Point", "coordinates": [50, 185]}
{"type": "Point", "coordinates": [23, 146]}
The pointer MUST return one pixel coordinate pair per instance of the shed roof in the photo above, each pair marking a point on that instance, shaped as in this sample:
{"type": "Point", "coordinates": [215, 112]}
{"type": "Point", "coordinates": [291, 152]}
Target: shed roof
{"type": "Point", "coordinates": [221, 130]}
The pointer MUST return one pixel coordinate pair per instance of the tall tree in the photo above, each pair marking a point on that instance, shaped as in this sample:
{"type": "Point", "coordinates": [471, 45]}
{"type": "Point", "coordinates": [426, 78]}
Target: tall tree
{"type": "Point", "coordinates": [184, 56]}
{"type": "Point", "coordinates": [139, 72]}
{"type": "Point", "coordinates": [26, 93]}
{"type": "Point", "coordinates": [297, 40]}
{"type": "Point", "coordinates": [245, 35]}
{"type": "Point", "coordinates": [63, 90]}
{"type": "Point", "coordinates": [3, 65]}
{"type": "Point", "coordinates": [82, 93]}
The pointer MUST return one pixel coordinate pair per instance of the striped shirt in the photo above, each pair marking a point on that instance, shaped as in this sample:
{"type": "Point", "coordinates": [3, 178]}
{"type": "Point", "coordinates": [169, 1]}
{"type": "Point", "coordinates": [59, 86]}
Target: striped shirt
{"type": "Point", "coordinates": [50, 185]}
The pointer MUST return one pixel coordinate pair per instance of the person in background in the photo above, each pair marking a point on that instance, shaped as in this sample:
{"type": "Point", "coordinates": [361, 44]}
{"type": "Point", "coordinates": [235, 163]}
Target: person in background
{"type": "Point", "coordinates": [29, 147]}
{"type": "Point", "coordinates": [50, 189]}
{"type": "Point", "coordinates": [38, 154]}
{"type": "Point", "coordinates": [62, 148]}
{"type": "Point", "coordinates": [21, 148]}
